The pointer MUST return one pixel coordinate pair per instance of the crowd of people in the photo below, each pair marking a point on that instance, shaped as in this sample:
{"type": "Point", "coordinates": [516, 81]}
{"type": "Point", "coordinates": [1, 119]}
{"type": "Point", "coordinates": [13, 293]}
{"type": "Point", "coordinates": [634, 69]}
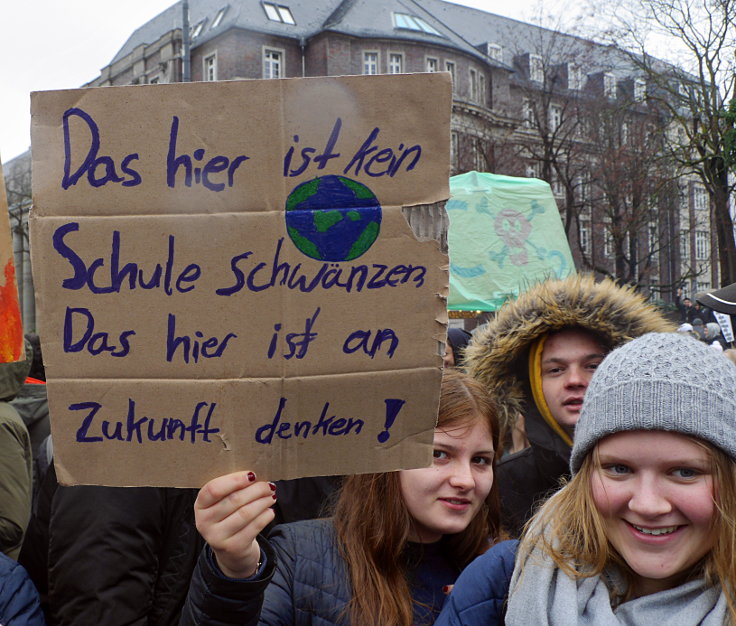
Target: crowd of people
{"type": "Point", "coordinates": [583, 471]}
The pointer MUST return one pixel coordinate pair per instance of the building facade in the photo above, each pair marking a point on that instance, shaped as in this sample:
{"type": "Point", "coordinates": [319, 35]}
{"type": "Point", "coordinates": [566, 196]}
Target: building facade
{"type": "Point", "coordinates": [528, 101]}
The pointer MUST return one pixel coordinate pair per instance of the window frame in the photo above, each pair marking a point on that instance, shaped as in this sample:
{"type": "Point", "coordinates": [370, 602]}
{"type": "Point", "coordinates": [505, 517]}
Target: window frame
{"type": "Point", "coordinates": [265, 50]}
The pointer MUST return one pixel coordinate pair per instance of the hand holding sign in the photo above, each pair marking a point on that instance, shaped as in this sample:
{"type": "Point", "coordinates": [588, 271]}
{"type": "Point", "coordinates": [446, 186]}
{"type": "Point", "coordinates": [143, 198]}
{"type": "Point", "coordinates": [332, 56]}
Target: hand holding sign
{"type": "Point", "coordinates": [229, 513]}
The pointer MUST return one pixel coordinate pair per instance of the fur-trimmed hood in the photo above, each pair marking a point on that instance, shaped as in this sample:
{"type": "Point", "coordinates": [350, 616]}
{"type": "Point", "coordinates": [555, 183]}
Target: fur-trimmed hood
{"type": "Point", "coordinates": [498, 353]}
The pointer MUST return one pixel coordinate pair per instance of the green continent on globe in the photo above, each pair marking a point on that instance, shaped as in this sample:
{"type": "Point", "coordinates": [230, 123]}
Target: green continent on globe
{"type": "Point", "coordinates": [332, 218]}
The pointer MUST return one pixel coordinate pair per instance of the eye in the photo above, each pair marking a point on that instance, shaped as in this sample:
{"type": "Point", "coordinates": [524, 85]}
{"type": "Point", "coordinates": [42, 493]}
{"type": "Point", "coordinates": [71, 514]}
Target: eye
{"type": "Point", "coordinates": [594, 366]}
{"type": "Point", "coordinates": [617, 469]}
{"type": "Point", "coordinates": [482, 460]}
{"type": "Point", "coordinates": [439, 454]}
{"type": "Point", "coordinates": [687, 473]}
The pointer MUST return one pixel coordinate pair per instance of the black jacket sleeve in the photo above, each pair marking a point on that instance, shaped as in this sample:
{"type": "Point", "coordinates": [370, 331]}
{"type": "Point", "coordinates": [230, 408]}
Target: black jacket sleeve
{"type": "Point", "coordinates": [215, 600]}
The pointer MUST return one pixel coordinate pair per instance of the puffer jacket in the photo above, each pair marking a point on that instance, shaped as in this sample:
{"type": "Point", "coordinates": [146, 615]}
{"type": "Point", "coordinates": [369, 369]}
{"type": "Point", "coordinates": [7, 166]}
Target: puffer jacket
{"type": "Point", "coordinates": [498, 356]}
{"type": "Point", "coordinates": [480, 593]}
{"type": "Point", "coordinates": [304, 582]}
{"type": "Point", "coordinates": [19, 603]}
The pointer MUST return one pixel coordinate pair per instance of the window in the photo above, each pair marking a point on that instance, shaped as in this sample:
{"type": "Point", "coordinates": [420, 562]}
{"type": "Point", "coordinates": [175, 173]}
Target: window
{"type": "Point", "coordinates": [700, 287]}
{"type": "Point", "coordinates": [395, 63]}
{"type": "Point", "coordinates": [272, 63]}
{"type": "Point", "coordinates": [218, 17]}
{"type": "Point", "coordinates": [479, 157]}
{"type": "Point", "coordinates": [196, 30]}
{"type": "Point", "coordinates": [558, 189]}
{"type": "Point", "coordinates": [574, 77]}
{"type": "Point", "coordinates": [413, 22]}
{"type": "Point", "coordinates": [584, 237]}
{"type": "Point", "coordinates": [473, 85]}
{"type": "Point", "coordinates": [653, 236]}
{"type": "Point", "coordinates": [685, 247]}
{"type": "Point", "coordinates": [585, 193]}
{"type": "Point", "coordinates": [701, 202]}
{"type": "Point", "coordinates": [210, 67]}
{"type": "Point", "coordinates": [532, 170]}
{"type": "Point", "coordinates": [555, 117]}
{"type": "Point", "coordinates": [370, 63]}
{"type": "Point", "coordinates": [278, 13]}
{"type": "Point", "coordinates": [450, 67]}
{"type": "Point", "coordinates": [536, 68]}
{"type": "Point", "coordinates": [432, 65]}
{"type": "Point", "coordinates": [701, 245]}
{"type": "Point", "coordinates": [624, 133]}
{"type": "Point", "coordinates": [607, 242]}
{"type": "Point", "coordinates": [454, 146]}
{"type": "Point", "coordinates": [495, 52]}
{"type": "Point", "coordinates": [527, 113]}
{"type": "Point", "coordinates": [640, 90]}
{"type": "Point", "coordinates": [609, 86]}
{"type": "Point", "coordinates": [481, 89]}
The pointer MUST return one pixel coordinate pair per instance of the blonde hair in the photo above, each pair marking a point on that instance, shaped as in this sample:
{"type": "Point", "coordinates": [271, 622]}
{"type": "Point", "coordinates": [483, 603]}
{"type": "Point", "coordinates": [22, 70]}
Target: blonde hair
{"type": "Point", "coordinates": [569, 529]}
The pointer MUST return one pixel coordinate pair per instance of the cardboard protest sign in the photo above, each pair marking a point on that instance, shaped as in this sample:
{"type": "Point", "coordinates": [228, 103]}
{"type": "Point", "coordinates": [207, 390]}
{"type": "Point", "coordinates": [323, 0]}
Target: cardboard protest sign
{"type": "Point", "coordinates": [505, 235]}
{"type": "Point", "coordinates": [11, 326]}
{"type": "Point", "coordinates": [225, 279]}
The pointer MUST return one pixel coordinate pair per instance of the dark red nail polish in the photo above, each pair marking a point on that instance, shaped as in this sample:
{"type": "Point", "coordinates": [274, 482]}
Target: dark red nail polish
{"type": "Point", "coordinates": [445, 589]}
{"type": "Point", "coordinates": [251, 476]}
{"type": "Point", "coordinates": [273, 487]}
{"type": "Point", "coordinates": [274, 496]}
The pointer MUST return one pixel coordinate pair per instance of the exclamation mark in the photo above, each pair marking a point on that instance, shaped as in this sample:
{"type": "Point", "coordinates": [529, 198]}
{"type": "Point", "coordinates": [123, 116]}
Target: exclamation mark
{"type": "Point", "coordinates": [393, 406]}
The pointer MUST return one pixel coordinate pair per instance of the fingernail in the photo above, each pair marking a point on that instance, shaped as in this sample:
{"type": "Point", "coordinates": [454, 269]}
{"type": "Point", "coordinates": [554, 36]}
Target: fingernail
{"type": "Point", "coordinates": [445, 589]}
{"type": "Point", "coordinates": [251, 476]}
{"type": "Point", "coordinates": [273, 487]}
{"type": "Point", "coordinates": [274, 496]}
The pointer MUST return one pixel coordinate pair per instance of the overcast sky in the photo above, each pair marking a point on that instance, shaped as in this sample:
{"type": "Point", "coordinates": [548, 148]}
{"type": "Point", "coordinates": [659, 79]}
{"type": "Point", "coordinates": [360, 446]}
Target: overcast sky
{"type": "Point", "coordinates": [55, 44]}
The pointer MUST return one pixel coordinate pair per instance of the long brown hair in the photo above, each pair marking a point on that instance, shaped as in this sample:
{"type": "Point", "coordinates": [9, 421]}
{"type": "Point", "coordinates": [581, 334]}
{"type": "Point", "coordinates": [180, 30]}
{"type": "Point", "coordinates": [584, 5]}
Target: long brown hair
{"type": "Point", "coordinates": [373, 524]}
{"type": "Point", "coordinates": [570, 530]}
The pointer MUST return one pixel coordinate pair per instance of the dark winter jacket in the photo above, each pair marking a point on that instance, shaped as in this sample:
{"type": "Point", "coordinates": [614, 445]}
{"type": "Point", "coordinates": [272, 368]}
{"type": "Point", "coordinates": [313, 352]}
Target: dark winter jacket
{"type": "Point", "coordinates": [19, 604]}
{"type": "Point", "coordinates": [121, 555]}
{"type": "Point", "coordinates": [480, 593]}
{"type": "Point", "coordinates": [308, 584]}
{"type": "Point", "coordinates": [498, 356]}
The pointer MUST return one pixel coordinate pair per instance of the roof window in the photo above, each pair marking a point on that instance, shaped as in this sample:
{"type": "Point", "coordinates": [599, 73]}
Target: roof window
{"type": "Point", "coordinates": [278, 13]}
{"type": "Point", "coordinates": [412, 22]}
{"type": "Point", "coordinates": [196, 30]}
{"type": "Point", "coordinates": [218, 18]}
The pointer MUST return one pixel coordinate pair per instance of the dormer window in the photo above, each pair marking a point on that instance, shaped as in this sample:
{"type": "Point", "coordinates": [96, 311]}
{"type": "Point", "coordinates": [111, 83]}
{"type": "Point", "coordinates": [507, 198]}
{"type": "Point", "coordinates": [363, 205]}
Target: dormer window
{"type": "Point", "coordinates": [494, 51]}
{"type": "Point", "coordinates": [413, 22]}
{"type": "Point", "coordinates": [536, 68]}
{"type": "Point", "coordinates": [609, 86]}
{"type": "Point", "coordinates": [574, 77]}
{"type": "Point", "coordinates": [640, 90]}
{"type": "Point", "coordinates": [278, 13]}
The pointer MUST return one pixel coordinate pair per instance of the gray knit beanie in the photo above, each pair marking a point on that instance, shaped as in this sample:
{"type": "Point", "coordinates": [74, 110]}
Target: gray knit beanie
{"type": "Point", "coordinates": [660, 381]}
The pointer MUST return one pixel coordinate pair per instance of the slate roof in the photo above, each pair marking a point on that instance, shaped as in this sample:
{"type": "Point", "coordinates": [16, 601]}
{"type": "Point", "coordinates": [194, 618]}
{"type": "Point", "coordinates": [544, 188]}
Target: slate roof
{"type": "Point", "coordinates": [462, 28]}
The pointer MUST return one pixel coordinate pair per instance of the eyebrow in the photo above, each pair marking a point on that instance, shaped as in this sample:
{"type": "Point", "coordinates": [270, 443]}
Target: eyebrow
{"type": "Point", "coordinates": [557, 359]}
{"type": "Point", "coordinates": [451, 448]}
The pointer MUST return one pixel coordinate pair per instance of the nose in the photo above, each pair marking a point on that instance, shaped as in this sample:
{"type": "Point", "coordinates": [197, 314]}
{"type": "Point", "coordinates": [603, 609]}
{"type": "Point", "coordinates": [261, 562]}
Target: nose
{"type": "Point", "coordinates": [648, 499]}
{"type": "Point", "coordinates": [462, 477]}
{"type": "Point", "coordinates": [577, 377]}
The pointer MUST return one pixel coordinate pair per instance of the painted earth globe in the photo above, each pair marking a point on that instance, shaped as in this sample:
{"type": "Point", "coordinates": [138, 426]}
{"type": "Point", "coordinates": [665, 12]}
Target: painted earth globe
{"type": "Point", "coordinates": [333, 218]}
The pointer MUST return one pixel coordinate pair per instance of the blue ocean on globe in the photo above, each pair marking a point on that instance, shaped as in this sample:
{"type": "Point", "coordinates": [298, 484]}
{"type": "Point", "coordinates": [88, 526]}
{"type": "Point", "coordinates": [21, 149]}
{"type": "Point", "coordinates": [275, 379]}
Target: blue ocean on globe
{"type": "Point", "coordinates": [333, 218]}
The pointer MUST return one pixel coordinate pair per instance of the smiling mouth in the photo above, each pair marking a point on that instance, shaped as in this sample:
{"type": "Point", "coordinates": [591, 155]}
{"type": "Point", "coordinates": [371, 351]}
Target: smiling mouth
{"type": "Point", "coordinates": [457, 501]}
{"type": "Point", "coordinates": [655, 532]}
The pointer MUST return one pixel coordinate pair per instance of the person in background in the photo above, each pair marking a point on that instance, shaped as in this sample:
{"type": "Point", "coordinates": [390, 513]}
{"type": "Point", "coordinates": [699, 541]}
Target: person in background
{"type": "Point", "coordinates": [16, 459]}
{"type": "Point", "coordinates": [645, 531]}
{"type": "Point", "coordinates": [536, 358]}
{"type": "Point", "coordinates": [396, 541]}
{"type": "Point", "coordinates": [457, 340]}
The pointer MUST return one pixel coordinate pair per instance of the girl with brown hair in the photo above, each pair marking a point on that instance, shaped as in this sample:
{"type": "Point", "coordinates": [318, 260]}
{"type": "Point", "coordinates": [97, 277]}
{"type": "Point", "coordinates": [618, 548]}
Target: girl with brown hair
{"type": "Point", "coordinates": [396, 542]}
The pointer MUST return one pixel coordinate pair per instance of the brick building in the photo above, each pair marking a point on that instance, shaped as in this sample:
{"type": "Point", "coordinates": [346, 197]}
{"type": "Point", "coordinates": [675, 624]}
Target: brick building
{"type": "Point", "coordinates": [528, 101]}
